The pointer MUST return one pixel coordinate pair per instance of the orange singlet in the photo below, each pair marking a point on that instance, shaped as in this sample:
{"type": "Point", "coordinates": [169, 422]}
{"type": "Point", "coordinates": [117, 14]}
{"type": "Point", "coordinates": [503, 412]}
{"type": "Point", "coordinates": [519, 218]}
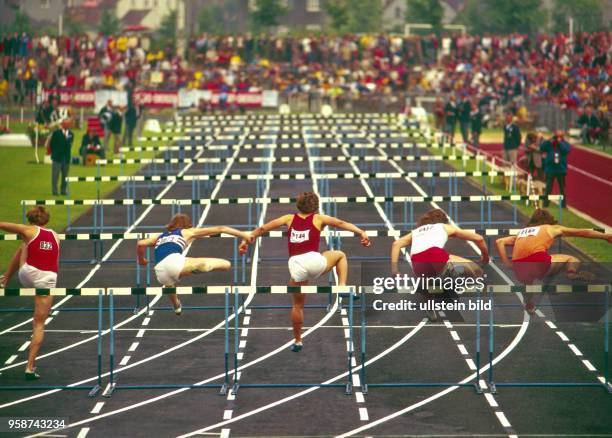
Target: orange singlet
{"type": "Point", "coordinates": [530, 258]}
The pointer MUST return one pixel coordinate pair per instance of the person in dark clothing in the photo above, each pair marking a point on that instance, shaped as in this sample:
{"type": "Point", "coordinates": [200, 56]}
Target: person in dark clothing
{"type": "Point", "coordinates": [555, 163]}
{"type": "Point", "coordinates": [131, 120]}
{"type": "Point", "coordinates": [464, 111]}
{"type": "Point", "coordinates": [114, 126]}
{"type": "Point", "coordinates": [534, 156]}
{"type": "Point", "coordinates": [90, 144]}
{"type": "Point", "coordinates": [450, 114]}
{"type": "Point", "coordinates": [512, 139]}
{"type": "Point", "coordinates": [604, 134]}
{"type": "Point", "coordinates": [589, 126]}
{"type": "Point", "coordinates": [61, 146]}
{"type": "Point", "coordinates": [475, 124]}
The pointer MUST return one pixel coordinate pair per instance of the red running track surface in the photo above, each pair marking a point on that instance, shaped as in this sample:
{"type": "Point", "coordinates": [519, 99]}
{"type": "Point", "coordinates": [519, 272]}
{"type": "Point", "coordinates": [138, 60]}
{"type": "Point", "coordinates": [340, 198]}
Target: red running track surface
{"type": "Point", "coordinates": [588, 181]}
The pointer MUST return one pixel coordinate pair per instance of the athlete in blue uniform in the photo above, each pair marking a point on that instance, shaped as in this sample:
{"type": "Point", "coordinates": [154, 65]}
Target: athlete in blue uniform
{"type": "Point", "coordinates": [170, 263]}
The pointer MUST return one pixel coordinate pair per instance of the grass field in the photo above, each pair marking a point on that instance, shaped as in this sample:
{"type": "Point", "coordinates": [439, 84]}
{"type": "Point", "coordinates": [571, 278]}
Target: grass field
{"type": "Point", "coordinates": [23, 178]}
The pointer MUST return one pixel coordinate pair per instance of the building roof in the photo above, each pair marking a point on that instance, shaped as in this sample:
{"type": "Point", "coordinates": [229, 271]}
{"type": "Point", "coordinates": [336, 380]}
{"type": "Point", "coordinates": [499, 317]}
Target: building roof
{"type": "Point", "coordinates": [134, 17]}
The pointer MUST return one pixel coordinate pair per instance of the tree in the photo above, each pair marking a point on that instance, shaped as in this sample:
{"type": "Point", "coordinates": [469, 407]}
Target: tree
{"type": "Point", "coordinates": [524, 16]}
{"type": "Point", "coordinates": [364, 15]}
{"type": "Point", "coordinates": [587, 15]}
{"type": "Point", "coordinates": [73, 26]}
{"type": "Point", "coordinates": [267, 13]}
{"type": "Point", "coordinates": [109, 24]}
{"type": "Point", "coordinates": [219, 18]}
{"type": "Point", "coordinates": [425, 11]}
{"type": "Point", "coordinates": [338, 11]}
{"type": "Point", "coordinates": [167, 29]}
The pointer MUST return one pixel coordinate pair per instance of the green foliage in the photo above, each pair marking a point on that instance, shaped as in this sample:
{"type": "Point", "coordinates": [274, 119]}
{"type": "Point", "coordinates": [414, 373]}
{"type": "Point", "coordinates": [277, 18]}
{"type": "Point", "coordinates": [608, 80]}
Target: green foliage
{"type": "Point", "coordinates": [219, 18]}
{"type": "Point", "coordinates": [364, 15]}
{"type": "Point", "coordinates": [425, 11]}
{"type": "Point", "coordinates": [338, 12]}
{"type": "Point", "coordinates": [524, 16]}
{"type": "Point", "coordinates": [21, 23]}
{"type": "Point", "coordinates": [109, 24]}
{"type": "Point", "coordinates": [267, 14]}
{"type": "Point", "coordinates": [587, 15]}
{"type": "Point", "coordinates": [73, 27]}
{"type": "Point", "coordinates": [167, 29]}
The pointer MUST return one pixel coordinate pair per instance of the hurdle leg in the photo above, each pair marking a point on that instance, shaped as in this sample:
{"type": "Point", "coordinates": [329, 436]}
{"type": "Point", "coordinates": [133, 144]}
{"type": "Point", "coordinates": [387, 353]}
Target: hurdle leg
{"type": "Point", "coordinates": [492, 387]}
{"type": "Point", "coordinates": [236, 385]}
{"type": "Point", "coordinates": [223, 390]}
{"type": "Point", "coordinates": [364, 385]}
{"type": "Point", "coordinates": [110, 387]}
{"type": "Point", "coordinates": [477, 386]}
{"type": "Point", "coordinates": [607, 382]}
{"type": "Point", "coordinates": [94, 391]}
{"type": "Point", "coordinates": [349, 384]}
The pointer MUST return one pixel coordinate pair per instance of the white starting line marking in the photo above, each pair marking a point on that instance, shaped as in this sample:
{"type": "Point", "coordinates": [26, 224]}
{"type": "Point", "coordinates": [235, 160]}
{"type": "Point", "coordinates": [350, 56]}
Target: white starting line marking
{"type": "Point", "coordinates": [589, 365]}
{"type": "Point", "coordinates": [125, 360]}
{"type": "Point", "coordinates": [11, 359]}
{"type": "Point", "coordinates": [24, 346]}
{"type": "Point", "coordinates": [146, 321]}
{"type": "Point", "coordinates": [48, 320]}
{"type": "Point", "coordinates": [134, 346]}
{"type": "Point", "coordinates": [562, 336]}
{"type": "Point", "coordinates": [55, 312]}
{"type": "Point", "coordinates": [575, 350]}
{"type": "Point", "coordinates": [550, 323]}
{"type": "Point", "coordinates": [225, 433]}
{"type": "Point", "coordinates": [140, 333]}
{"type": "Point", "coordinates": [227, 414]}
{"type": "Point", "coordinates": [359, 397]}
{"type": "Point", "coordinates": [246, 320]}
{"type": "Point", "coordinates": [363, 414]}
{"type": "Point", "coordinates": [454, 335]}
{"type": "Point", "coordinates": [462, 349]}
{"type": "Point", "coordinates": [97, 408]}
{"type": "Point", "coordinates": [491, 400]}
{"type": "Point", "coordinates": [245, 332]}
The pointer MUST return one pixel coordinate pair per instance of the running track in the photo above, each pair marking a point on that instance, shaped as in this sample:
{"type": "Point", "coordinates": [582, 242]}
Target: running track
{"type": "Point", "coordinates": [588, 182]}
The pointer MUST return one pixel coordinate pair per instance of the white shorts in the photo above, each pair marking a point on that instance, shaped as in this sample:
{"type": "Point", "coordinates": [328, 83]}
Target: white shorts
{"type": "Point", "coordinates": [307, 266]}
{"type": "Point", "coordinates": [29, 276]}
{"type": "Point", "coordinates": [168, 271]}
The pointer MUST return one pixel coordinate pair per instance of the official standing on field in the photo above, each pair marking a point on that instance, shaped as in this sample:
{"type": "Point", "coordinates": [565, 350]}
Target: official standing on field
{"type": "Point", "coordinates": [61, 146]}
{"type": "Point", "coordinates": [512, 139]}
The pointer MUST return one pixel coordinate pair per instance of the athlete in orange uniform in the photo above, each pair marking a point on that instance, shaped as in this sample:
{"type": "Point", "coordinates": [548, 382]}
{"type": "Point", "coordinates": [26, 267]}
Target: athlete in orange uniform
{"type": "Point", "coordinates": [530, 258]}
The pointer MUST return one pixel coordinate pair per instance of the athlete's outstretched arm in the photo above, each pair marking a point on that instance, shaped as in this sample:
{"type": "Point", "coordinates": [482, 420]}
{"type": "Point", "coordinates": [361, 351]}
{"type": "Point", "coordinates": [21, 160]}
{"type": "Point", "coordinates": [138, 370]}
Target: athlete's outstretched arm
{"type": "Point", "coordinates": [339, 223]}
{"type": "Point", "coordinates": [500, 245]}
{"type": "Point", "coordinates": [211, 231]}
{"type": "Point", "coordinates": [141, 247]}
{"type": "Point", "coordinates": [12, 267]}
{"type": "Point", "coordinates": [272, 225]}
{"type": "Point", "coordinates": [10, 227]}
{"type": "Point", "coordinates": [396, 247]}
{"type": "Point", "coordinates": [582, 232]}
{"type": "Point", "coordinates": [470, 237]}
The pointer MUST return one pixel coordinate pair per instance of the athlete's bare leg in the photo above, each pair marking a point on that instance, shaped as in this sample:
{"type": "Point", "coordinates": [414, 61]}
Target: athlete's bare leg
{"type": "Point", "coordinates": [338, 260]}
{"type": "Point", "coordinates": [471, 268]}
{"type": "Point", "coordinates": [42, 304]}
{"type": "Point", "coordinates": [571, 265]}
{"type": "Point", "coordinates": [297, 311]}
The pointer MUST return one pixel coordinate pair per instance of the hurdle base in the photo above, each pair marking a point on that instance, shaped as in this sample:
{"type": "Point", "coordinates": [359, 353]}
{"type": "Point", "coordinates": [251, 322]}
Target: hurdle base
{"type": "Point", "coordinates": [94, 391]}
{"type": "Point", "coordinates": [609, 387]}
{"type": "Point", "coordinates": [223, 389]}
{"type": "Point", "coordinates": [477, 388]}
{"type": "Point", "coordinates": [492, 388]}
{"type": "Point", "coordinates": [235, 388]}
{"type": "Point", "coordinates": [108, 391]}
{"type": "Point", "coordinates": [348, 389]}
{"type": "Point", "coordinates": [364, 389]}
{"type": "Point", "coordinates": [135, 311]}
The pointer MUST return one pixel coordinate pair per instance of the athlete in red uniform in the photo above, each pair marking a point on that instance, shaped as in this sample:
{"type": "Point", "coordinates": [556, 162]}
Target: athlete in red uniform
{"type": "Point", "coordinates": [37, 260]}
{"type": "Point", "coordinates": [305, 261]}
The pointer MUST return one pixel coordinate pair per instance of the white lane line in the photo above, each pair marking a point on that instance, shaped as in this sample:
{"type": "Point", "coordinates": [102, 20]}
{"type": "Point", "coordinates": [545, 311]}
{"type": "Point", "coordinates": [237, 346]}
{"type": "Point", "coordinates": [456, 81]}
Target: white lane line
{"type": "Point", "coordinates": [225, 433]}
{"type": "Point", "coordinates": [246, 320]}
{"type": "Point", "coordinates": [146, 321]}
{"type": "Point", "coordinates": [242, 344]}
{"type": "Point", "coordinates": [359, 397]}
{"type": "Point", "coordinates": [502, 419]}
{"type": "Point", "coordinates": [140, 333]}
{"type": "Point", "coordinates": [247, 311]}
{"type": "Point", "coordinates": [240, 355]}
{"type": "Point", "coordinates": [227, 414]}
{"type": "Point", "coordinates": [562, 336]}
{"type": "Point", "coordinates": [454, 335]}
{"type": "Point", "coordinates": [363, 414]}
{"type": "Point", "coordinates": [21, 324]}
{"type": "Point", "coordinates": [125, 360]}
{"type": "Point", "coordinates": [97, 408]}
{"type": "Point", "coordinates": [244, 333]}
{"type": "Point", "coordinates": [24, 346]}
{"type": "Point", "coordinates": [462, 349]}
{"type": "Point", "coordinates": [491, 400]}
{"type": "Point", "coordinates": [589, 365]}
{"type": "Point", "coordinates": [134, 346]}
{"type": "Point", "coordinates": [550, 324]}
{"type": "Point", "coordinates": [83, 432]}
{"type": "Point", "coordinates": [48, 320]}
{"type": "Point", "coordinates": [471, 363]}
{"type": "Point", "coordinates": [11, 359]}
{"type": "Point", "coordinates": [575, 349]}
{"type": "Point", "coordinates": [448, 324]}
{"type": "Point", "coordinates": [539, 313]}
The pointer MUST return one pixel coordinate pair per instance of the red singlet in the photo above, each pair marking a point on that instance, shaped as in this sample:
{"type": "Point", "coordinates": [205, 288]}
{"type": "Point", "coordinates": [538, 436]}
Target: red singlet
{"type": "Point", "coordinates": [43, 251]}
{"type": "Point", "coordinates": [303, 235]}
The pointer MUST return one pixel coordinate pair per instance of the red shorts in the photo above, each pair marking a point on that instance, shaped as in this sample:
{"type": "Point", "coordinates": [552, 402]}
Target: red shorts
{"type": "Point", "coordinates": [429, 263]}
{"type": "Point", "coordinates": [531, 268]}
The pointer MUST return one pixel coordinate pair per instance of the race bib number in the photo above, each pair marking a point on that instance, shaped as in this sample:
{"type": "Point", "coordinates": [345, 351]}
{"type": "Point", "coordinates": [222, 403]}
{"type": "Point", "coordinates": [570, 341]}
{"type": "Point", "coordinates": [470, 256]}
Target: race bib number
{"type": "Point", "coordinates": [299, 236]}
{"type": "Point", "coordinates": [46, 246]}
{"type": "Point", "coordinates": [526, 232]}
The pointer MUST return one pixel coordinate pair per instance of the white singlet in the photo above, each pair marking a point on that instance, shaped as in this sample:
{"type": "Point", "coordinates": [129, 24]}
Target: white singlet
{"type": "Point", "coordinates": [428, 236]}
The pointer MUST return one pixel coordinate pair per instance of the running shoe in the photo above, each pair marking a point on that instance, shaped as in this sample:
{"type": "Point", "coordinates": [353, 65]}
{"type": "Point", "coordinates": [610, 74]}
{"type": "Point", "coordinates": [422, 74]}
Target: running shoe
{"type": "Point", "coordinates": [178, 309]}
{"type": "Point", "coordinates": [32, 375]}
{"type": "Point", "coordinates": [297, 347]}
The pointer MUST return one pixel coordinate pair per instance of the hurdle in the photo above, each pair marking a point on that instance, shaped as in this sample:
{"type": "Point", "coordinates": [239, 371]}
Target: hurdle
{"type": "Point", "coordinates": [93, 390]}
